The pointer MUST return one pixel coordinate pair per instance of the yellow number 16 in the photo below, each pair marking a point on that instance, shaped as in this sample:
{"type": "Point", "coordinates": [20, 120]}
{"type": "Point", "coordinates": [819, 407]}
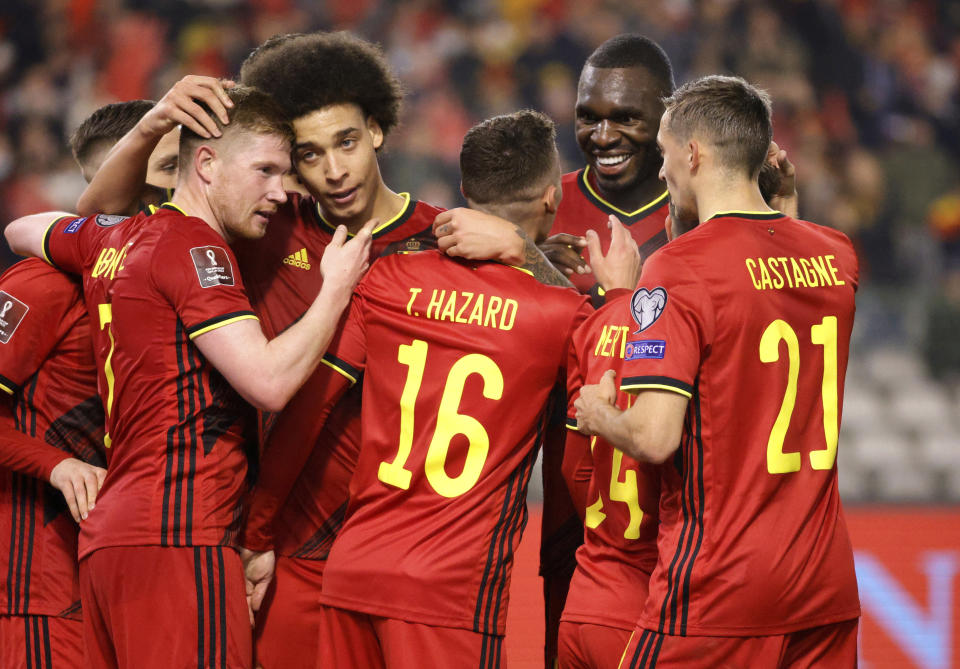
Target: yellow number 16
{"type": "Point", "coordinates": [823, 334]}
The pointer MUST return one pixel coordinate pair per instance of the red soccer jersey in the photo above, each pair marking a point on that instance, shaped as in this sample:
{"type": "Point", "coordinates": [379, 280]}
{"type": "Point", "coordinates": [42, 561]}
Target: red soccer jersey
{"type": "Point", "coordinates": [609, 586]}
{"type": "Point", "coordinates": [459, 358]}
{"type": "Point", "coordinates": [176, 428]}
{"type": "Point", "coordinates": [47, 366]}
{"type": "Point", "coordinates": [749, 315]}
{"type": "Point", "coordinates": [281, 291]}
{"type": "Point", "coordinates": [582, 209]}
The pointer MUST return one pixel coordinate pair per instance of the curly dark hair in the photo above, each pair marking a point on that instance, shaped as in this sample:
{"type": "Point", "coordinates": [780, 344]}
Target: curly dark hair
{"type": "Point", "coordinates": [305, 73]}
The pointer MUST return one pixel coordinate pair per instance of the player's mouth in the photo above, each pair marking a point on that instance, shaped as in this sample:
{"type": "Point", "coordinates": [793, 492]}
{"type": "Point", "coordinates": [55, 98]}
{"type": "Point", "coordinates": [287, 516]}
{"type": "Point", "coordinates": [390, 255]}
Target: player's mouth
{"type": "Point", "coordinates": [265, 214]}
{"type": "Point", "coordinates": [344, 197]}
{"type": "Point", "coordinates": [612, 164]}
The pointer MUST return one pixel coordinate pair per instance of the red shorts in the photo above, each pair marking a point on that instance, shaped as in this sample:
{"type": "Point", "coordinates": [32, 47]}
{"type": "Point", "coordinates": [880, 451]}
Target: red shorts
{"type": "Point", "coordinates": [288, 622]}
{"type": "Point", "coordinates": [350, 640]}
{"type": "Point", "coordinates": [153, 606]}
{"type": "Point", "coordinates": [833, 646]}
{"type": "Point", "coordinates": [584, 646]}
{"type": "Point", "coordinates": [40, 642]}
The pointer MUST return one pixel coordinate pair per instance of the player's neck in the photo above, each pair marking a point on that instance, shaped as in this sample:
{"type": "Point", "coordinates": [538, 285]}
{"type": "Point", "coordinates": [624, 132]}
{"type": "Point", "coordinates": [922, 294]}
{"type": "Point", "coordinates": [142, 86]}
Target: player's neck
{"type": "Point", "coordinates": [723, 195]}
{"type": "Point", "coordinates": [633, 198]}
{"type": "Point", "coordinates": [385, 206]}
{"type": "Point", "coordinates": [193, 203]}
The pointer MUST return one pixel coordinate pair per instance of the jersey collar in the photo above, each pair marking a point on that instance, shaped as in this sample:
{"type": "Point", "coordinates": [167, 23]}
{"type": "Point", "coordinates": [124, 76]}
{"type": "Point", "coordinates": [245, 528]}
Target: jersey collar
{"type": "Point", "coordinates": [754, 215]}
{"type": "Point", "coordinates": [626, 217]}
{"type": "Point", "coordinates": [401, 217]}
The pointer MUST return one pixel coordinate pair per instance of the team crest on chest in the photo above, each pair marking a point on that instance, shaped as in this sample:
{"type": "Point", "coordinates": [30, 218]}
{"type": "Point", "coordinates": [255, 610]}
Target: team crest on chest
{"type": "Point", "coordinates": [646, 306]}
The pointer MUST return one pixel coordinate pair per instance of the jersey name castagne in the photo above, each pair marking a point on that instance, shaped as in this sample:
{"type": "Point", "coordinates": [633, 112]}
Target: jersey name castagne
{"type": "Point", "coordinates": [619, 552]}
{"type": "Point", "coordinates": [458, 359]}
{"type": "Point", "coordinates": [176, 429]}
{"type": "Point", "coordinates": [582, 208]}
{"type": "Point", "coordinates": [47, 367]}
{"type": "Point", "coordinates": [749, 316]}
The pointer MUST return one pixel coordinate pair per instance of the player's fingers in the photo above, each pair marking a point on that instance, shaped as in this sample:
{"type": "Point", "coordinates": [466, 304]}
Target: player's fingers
{"type": "Point", "coordinates": [593, 245]}
{"type": "Point", "coordinates": [567, 260]}
{"type": "Point", "coordinates": [80, 493]}
{"type": "Point", "coordinates": [441, 218]}
{"type": "Point", "coordinates": [339, 236]}
{"type": "Point", "coordinates": [91, 486]}
{"type": "Point", "coordinates": [617, 230]}
{"type": "Point", "coordinates": [71, 499]}
{"type": "Point", "coordinates": [178, 116]}
{"type": "Point", "coordinates": [101, 476]}
{"type": "Point", "coordinates": [566, 239]}
{"type": "Point", "coordinates": [369, 226]}
{"type": "Point", "coordinates": [199, 114]}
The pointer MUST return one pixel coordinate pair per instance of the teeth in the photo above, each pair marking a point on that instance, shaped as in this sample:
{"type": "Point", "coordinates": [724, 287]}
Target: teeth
{"type": "Point", "coordinates": [611, 160]}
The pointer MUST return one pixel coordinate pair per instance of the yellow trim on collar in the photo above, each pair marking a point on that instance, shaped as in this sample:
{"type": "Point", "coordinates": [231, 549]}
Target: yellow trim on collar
{"type": "Point", "coordinates": [653, 203]}
{"type": "Point", "coordinates": [401, 212]}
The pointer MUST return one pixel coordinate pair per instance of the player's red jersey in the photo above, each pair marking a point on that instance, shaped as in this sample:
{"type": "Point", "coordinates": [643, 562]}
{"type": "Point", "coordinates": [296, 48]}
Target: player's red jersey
{"type": "Point", "coordinates": [47, 366]}
{"type": "Point", "coordinates": [749, 315]}
{"type": "Point", "coordinates": [281, 271]}
{"type": "Point", "coordinates": [460, 358]}
{"type": "Point", "coordinates": [582, 208]}
{"type": "Point", "coordinates": [281, 290]}
{"type": "Point", "coordinates": [175, 427]}
{"type": "Point", "coordinates": [619, 552]}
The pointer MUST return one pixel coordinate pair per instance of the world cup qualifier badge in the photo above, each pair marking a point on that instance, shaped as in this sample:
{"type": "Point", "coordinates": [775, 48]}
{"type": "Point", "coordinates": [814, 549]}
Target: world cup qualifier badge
{"type": "Point", "coordinates": [12, 312]}
{"type": "Point", "coordinates": [647, 306]}
{"type": "Point", "coordinates": [213, 266]}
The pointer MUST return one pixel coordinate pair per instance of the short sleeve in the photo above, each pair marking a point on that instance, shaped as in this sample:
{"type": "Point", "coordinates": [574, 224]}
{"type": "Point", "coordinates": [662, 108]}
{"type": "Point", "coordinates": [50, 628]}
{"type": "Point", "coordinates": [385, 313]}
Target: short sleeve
{"type": "Point", "coordinates": [197, 273]}
{"type": "Point", "coordinates": [574, 382]}
{"type": "Point", "coordinates": [34, 305]}
{"type": "Point", "coordinates": [347, 351]}
{"type": "Point", "coordinates": [67, 241]}
{"type": "Point", "coordinates": [673, 320]}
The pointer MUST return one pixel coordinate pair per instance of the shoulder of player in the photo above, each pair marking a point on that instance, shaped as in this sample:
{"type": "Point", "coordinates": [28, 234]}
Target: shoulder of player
{"type": "Point", "coordinates": [569, 180]}
{"type": "Point", "coordinates": [34, 277]}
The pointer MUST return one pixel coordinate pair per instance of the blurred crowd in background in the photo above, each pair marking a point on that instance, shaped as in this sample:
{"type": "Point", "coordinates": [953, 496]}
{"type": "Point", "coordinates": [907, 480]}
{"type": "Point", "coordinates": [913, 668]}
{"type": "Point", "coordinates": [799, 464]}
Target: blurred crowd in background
{"type": "Point", "coordinates": [866, 97]}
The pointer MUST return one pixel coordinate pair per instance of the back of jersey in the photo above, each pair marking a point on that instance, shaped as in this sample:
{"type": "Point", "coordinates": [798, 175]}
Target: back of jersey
{"type": "Point", "coordinates": [460, 359]}
{"type": "Point", "coordinates": [750, 316]}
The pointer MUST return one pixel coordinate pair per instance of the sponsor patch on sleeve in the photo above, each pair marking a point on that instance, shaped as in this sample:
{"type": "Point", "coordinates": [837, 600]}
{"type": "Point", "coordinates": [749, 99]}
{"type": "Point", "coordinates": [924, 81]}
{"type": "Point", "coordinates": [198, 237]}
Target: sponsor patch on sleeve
{"type": "Point", "coordinates": [213, 266]}
{"type": "Point", "coordinates": [12, 312]}
{"type": "Point", "coordinates": [645, 349]}
{"type": "Point", "coordinates": [647, 306]}
{"type": "Point", "coordinates": [75, 225]}
{"type": "Point", "coordinates": [109, 220]}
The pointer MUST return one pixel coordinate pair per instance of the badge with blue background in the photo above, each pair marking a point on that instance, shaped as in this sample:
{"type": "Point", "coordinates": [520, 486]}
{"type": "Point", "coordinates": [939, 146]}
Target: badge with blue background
{"type": "Point", "coordinates": [645, 349]}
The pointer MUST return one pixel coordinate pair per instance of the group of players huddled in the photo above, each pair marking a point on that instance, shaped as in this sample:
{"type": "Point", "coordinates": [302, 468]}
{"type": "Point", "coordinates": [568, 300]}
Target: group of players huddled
{"type": "Point", "coordinates": [265, 411]}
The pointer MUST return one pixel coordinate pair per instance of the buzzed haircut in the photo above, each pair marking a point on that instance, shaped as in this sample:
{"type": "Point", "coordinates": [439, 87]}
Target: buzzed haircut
{"type": "Point", "coordinates": [305, 73]}
{"type": "Point", "coordinates": [508, 158]}
{"type": "Point", "coordinates": [633, 50]}
{"type": "Point", "coordinates": [729, 113]}
{"type": "Point", "coordinates": [252, 111]}
{"type": "Point", "coordinates": [107, 125]}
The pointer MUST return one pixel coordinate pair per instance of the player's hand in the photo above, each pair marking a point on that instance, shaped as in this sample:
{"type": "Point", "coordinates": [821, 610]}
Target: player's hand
{"type": "Point", "coordinates": [79, 483]}
{"type": "Point", "coordinates": [786, 199]}
{"type": "Point", "coordinates": [620, 267]}
{"type": "Point", "coordinates": [593, 401]}
{"type": "Point", "coordinates": [345, 261]}
{"type": "Point", "coordinates": [179, 107]}
{"type": "Point", "coordinates": [563, 251]}
{"type": "Point", "coordinates": [258, 571]}
{"type": "Point", "coordinates": [468, 233]}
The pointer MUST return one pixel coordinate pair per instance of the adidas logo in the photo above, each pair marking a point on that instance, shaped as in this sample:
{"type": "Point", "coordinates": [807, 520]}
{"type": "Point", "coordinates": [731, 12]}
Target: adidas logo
{"type": "Point", "coordinates": [298, 259]}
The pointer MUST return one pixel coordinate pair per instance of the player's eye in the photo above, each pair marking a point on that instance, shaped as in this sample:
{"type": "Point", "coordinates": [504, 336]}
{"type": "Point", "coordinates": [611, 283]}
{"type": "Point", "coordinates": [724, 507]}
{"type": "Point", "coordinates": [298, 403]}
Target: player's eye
{"type": "Point", "coordinates": [307, 156]}
{"type": "Point", "coordinates": [348, 143]}
{"type": "Point", "coordinates": [588, 119]}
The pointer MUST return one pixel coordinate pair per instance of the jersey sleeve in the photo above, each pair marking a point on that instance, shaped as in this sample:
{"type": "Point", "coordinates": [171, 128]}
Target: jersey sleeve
{"type": "Point", "coordinates": [197, 272]}
{"type": "Point", "coordinates": [674, 318]}
{"type": "Point", "coordinates": [23, 454]}
{"type": "Point", "coordinates": [34, 301]}
{"type": "Point", "coordinates": [68, 241]}
{"type": "Point", "coordinates": [347, 351]}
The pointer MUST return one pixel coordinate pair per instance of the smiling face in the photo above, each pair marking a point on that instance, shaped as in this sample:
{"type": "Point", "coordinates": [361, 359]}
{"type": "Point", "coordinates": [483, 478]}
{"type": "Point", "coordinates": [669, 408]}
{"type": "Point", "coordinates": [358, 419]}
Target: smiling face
{"type": "Point", "coordinates": [336, 158]}
{"type": "Point", "coordinates": [246, 184]}
{"type": "Point", "coordinates": [618, 113]}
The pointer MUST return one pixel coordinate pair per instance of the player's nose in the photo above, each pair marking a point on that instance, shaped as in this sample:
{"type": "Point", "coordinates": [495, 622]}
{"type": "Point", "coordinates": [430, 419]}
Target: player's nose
{"type": "Point", "coordinates": [604, 133]}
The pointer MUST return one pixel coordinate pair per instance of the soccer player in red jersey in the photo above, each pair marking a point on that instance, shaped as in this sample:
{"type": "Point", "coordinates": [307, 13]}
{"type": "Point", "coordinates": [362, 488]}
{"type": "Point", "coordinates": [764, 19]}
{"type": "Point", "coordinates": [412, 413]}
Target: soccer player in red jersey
{"type": "Point", "coordinates": [755, 566]}
{"type": "Point", "coordinates": [154, 549]}
{"type": "Point", "coordinates": [459, 359]}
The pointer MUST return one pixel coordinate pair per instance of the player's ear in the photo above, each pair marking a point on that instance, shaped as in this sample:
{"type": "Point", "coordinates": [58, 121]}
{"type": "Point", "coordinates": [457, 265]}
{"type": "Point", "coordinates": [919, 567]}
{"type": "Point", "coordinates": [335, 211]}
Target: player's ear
{"type": "Point", "coordinates": [204, 162]}
{"type": "Point", "coordinates": [694, 157]}
{"type": "Point", "coordinates": [376, 132]}
{"type": "Point", "coordinates": [550, 199]}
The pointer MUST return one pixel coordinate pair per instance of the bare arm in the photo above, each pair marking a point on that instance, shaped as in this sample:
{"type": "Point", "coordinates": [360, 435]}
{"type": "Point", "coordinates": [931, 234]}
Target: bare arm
{"type": "Point", "coordinates": [649, 431]}
{"type": "Point", "coordinates": [119, 181]}
{"type": "Point", "coordinates": [268, 373]}
{"type": "Point", "coordinates": [468, 233]}
{"type": "Point", "coordinates": [25, 234]}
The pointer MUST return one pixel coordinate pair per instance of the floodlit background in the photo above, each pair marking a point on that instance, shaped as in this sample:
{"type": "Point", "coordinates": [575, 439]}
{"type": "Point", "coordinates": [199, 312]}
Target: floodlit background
{"type": "Point", "coordinates": [867, 102]}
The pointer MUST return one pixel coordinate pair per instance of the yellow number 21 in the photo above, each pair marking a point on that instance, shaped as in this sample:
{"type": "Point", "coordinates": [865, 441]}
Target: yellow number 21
{"type": "Point", "coordinates": [823, 334]}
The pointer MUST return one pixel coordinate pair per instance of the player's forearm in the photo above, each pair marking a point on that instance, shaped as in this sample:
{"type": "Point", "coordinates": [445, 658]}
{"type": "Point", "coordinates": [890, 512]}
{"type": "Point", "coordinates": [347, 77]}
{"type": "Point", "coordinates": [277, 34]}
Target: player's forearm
{"type": "Point", "coordinates": [535, 262]}
{"type": "Point", "coordinates": [637, 434]}
{"type": "Point", "coordinates": [119, 181]}
{"type": "Point", "coordinates": [25, 234]}
{"type": "Point", "coordinates": [24, 454]}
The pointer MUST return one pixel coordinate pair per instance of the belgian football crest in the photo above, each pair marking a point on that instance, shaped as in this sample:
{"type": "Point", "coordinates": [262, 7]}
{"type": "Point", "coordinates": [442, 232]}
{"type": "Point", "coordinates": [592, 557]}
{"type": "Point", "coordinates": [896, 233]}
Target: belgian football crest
{"type": "Point", "coordinates": [647, 306]}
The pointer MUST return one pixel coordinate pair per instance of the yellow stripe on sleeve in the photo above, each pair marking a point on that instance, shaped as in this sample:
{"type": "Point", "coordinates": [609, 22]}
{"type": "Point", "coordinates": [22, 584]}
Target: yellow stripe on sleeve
{"type": "Point", "coordinates": [220, 324]}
